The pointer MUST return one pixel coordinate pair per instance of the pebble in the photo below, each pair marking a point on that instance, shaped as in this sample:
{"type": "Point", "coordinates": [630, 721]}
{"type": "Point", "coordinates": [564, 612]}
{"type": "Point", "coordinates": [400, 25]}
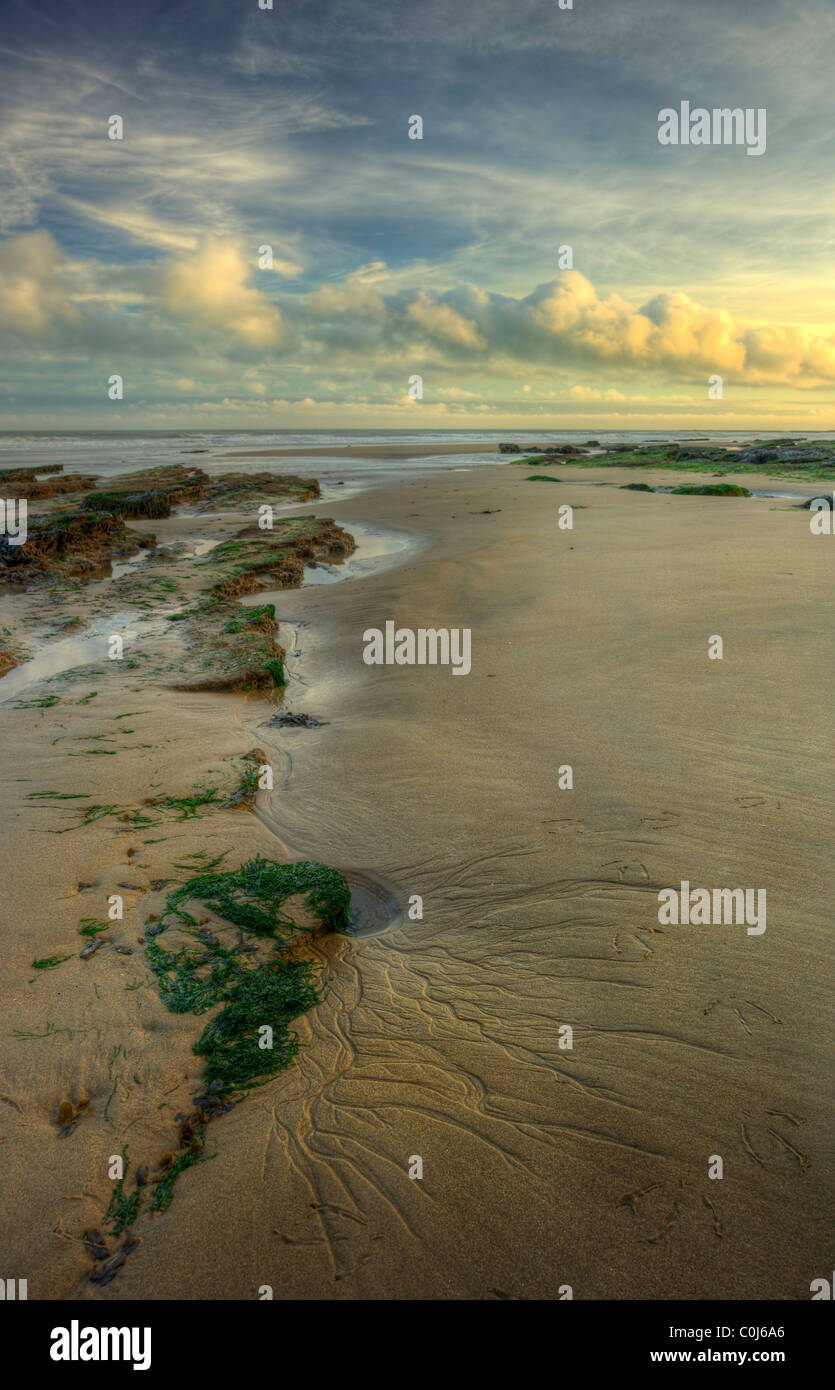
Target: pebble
{"type": "Point", "coordinates": [92, 946]}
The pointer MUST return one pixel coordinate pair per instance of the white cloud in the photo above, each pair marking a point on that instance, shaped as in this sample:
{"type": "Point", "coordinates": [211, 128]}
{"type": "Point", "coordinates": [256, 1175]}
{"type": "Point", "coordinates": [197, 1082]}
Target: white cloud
{"type": "Point", "coordinates": [209, 286]}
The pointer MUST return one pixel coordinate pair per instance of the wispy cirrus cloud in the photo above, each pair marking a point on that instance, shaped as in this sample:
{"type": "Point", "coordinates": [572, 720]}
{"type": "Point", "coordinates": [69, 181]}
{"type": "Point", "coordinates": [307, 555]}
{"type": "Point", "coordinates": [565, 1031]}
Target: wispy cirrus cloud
{"type": "Point", "coordinates": [245, 127]}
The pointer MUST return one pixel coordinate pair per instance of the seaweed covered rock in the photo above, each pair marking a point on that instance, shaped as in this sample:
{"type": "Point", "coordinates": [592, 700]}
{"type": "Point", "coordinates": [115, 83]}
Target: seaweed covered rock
{"type": "Point", "coordinates": [155, 504]}
{"type": "Point", "coordinates": [69, 545]}
{"type": "Point", "coordinates": [257, 559]}
{"type": "Point", "coordinates": [28, 484]}
{"type": "Point", "coordinates": [713, 490]}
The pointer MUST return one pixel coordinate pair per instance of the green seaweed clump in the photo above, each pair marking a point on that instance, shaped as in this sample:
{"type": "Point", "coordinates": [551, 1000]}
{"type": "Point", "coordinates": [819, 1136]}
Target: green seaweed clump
{"type": "Point", "coordinates": [49, 962]}
{"type": "Point", "coordinates": [275, 668]}
{"type": "Point", "coordinates": [261, 990]}
{"type": "Point", "coordinates": [232, 1043]}
{"type": "Point", "coordinates": [714, 490]}
{"type": "Point", "coordinates": [255, 993]}
{"type": "Point", "coordinates": [253, 895]}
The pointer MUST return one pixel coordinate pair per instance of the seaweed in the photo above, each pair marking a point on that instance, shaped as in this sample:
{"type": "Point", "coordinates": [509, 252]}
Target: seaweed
{"type": "Point", "coordinates": [49, 962]}
{"type": "Point", "coordinates": [254, 995]}
{"type": "Point", "coordinates": [93, 926]}
{"type": "Point", "coordinates": [252, 896]}
{"type": "Point", "coordinates": [43, 702]}
{"type": "Point", "coordinates": [194, 978]}
{"type": "Point", "coordinates": [275, 668]}
{"type": "Point", "coordinates": [164, 1194]}
{"type": "Point", "coordinates": [122, 1211]}
{"type": "Point", "coordinates": [714, 490]}
{"type": "Point", "coordinates": [232, 1043]}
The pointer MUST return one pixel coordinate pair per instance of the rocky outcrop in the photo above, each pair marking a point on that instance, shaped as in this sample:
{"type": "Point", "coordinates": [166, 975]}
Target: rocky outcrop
{"type": "Point", "coordinates": [69, 545]}
{"type": "Point", "coordinates": [566, 449]}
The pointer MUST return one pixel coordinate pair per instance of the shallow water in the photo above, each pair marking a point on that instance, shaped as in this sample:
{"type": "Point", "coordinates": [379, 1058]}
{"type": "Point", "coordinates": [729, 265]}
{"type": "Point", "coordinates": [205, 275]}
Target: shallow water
{"type": "Point", "coordinates": [89, 646]}
{"type": "Point", "coordinates": [374, 544]}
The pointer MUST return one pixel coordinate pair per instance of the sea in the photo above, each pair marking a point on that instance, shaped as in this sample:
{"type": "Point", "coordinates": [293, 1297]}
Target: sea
{"type": "Point", "coordinates": [108, 452]}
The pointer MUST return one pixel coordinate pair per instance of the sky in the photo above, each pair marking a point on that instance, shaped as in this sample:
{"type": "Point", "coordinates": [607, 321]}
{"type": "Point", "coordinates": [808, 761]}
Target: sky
{"type": "Point", "coordinates": [395, 258]}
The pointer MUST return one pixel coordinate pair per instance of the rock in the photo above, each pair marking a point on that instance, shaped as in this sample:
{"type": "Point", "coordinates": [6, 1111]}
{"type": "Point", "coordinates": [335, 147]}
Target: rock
{"type": "Point", "coordinates": [92, 946]}
{"type": "Point", "coordinates": [302, 721]}
{"type": "Point", "coordinates": [94, 1244]}
{"type": "Point", "coordinates": [66, 1113]}
{"type": "Point", "coordinates": [7, 663]}
{"type": "Point", "coordinates": [103, 1273]}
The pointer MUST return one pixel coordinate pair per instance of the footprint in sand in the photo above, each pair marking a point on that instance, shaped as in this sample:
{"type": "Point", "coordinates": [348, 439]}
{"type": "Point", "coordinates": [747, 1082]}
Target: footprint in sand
{"type": "Point", "coordinates": [628, 873]}
{"type": "Point", "coordinates": [659, 1208]}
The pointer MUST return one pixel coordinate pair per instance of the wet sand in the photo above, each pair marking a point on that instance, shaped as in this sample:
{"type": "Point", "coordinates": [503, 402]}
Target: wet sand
{"type": "Point", "coordinates": [398, 451]}
{"type": "Point", "coordinates": [542, 1167]}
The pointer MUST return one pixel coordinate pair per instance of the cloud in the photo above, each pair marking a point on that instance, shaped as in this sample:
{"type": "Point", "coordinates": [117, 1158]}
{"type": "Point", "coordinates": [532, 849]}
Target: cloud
{"type": "Point", "coordinates": [442, 322]}
{"type": "Point", "coordinates": [589, 393]}
{"type": "Point", "coordinates": [207, 302]}
{"type": "Point", "coordinates": [567, 322]}
{"type": "Point", "coordinates": [355, 298]}
{"type": "Point", "coordinates": [34, 299]}
{"type": "Point", "coordinates": [209, 287]}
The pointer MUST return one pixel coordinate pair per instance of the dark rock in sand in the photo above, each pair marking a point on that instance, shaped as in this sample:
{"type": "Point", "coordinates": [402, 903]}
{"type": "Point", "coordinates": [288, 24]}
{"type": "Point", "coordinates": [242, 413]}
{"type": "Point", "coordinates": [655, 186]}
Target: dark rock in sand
{"type": "Point", "coordinates": [92, 947]}
{"type": "Point", "coordinates": [94, 1244]}
{"type": "Point", "coordinates": [302, 721]}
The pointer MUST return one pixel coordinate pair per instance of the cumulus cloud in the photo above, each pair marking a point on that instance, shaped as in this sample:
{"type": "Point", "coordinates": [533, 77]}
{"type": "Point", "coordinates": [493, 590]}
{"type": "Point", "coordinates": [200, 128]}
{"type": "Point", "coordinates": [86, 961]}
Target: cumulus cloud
{"type": "Point", "coordinates": [568, 321]}
{"type": "Point", "coordinates": [442, 322]}
{"type": "Point", "coordinates": [355, 298]}
{"type": "Point", "coordinates": [210, 287]}
{"type": "Point", "coordinates": [34, 299]}
{"type": "Point", "coordinates": [357, 329]}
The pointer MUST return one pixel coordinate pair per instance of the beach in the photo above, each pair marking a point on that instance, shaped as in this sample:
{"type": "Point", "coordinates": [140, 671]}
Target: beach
{"type": "Point", "coordinates": [545, 1167]}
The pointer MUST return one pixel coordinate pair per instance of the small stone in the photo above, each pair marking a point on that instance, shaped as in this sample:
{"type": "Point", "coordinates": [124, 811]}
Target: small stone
{"type": "Point", "coordinates": [93, 946]}
{"type": "Point", "coordinates": [94, 1244]}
